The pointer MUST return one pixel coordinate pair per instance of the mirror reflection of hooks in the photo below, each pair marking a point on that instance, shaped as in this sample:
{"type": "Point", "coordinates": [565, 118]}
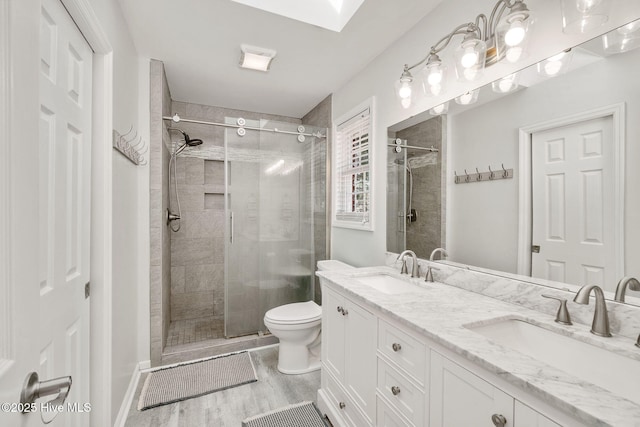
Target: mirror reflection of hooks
{"type": "Point", "coordinates": [491, 173]}
{"type": "Point", "coordinates": [505, 174]}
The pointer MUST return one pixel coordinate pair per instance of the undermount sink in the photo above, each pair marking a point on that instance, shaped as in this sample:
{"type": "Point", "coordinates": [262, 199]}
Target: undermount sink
{"type": "Point", "coordinates": [388, 284]}
{"type": "Point", "coordinates": [606, 369]}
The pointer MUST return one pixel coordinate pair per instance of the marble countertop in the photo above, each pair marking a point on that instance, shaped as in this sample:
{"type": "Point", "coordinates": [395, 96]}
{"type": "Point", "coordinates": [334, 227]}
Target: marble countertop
{"type": "Point", "coordinates": [439, 312]}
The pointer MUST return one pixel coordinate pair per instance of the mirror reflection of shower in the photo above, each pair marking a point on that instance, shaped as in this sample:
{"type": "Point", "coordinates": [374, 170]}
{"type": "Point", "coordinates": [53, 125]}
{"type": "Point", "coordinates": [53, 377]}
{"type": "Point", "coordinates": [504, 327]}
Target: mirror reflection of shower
{"type": "Point", "coordinates": [415, 188]}
{"type": "Point", "coordinates": [177, 149]}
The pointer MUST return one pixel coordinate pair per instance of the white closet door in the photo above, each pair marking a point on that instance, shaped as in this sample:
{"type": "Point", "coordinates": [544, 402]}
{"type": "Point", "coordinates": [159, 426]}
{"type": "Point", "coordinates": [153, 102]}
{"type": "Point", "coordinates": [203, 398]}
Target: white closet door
{"type": "Point", "coordinates": [573, 203]}
{"type": "Point", "coordinates": [47, 327]}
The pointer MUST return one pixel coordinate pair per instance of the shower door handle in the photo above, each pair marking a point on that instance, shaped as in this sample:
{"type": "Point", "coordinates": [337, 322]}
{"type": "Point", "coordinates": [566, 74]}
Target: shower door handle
{"type": "Point", "coordinates": [231, 228]}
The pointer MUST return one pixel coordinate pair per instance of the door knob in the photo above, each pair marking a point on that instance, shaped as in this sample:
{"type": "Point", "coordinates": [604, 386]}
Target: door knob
{"type": "Point", "coordinates": [499, 420]}
{"type": "Point", "coordinates": [34, 389]}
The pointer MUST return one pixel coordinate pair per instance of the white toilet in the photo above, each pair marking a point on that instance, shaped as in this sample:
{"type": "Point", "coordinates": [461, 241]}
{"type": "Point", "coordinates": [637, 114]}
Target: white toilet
{"type": "Point", "coordinates": [297, 326]}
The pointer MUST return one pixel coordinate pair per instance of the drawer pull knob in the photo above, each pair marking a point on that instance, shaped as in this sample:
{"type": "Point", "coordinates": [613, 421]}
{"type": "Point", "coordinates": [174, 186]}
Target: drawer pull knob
{"type": "Point", "coordinates": [395, 390]}
{"type": "Point", "coordinates": [340, 309]}
{"type": "Point", "coordinates": [498, 420]}
{"type": "Point", "coordinates": [396, 347]}
{"type": "Point", "coordinates": [341, 405]}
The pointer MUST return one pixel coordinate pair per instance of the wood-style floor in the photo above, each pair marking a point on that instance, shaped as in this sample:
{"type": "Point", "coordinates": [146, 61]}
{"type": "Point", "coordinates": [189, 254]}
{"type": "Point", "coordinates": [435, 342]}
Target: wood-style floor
{"type": "Point", "coordinates": [228, 408]}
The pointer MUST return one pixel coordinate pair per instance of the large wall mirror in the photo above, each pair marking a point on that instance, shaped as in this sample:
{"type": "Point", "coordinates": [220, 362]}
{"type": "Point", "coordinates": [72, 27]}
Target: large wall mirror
{"type": "Point", "coordinates": [569, 128]}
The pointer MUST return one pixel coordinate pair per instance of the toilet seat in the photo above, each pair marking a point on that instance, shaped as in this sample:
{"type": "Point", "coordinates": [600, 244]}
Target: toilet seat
{"type": "Point", "coordinates": [295, 313]}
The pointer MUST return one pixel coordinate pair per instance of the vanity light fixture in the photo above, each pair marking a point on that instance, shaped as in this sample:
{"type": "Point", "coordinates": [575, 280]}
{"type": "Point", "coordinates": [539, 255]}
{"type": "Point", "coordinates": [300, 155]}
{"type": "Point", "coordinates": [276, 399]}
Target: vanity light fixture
{"type": "Point", "coordinates": [506, 84]}
{"type": "Point", "coordinates": [503, 35]}
{"type": "Point", "coordinates": [468, 98]}
{"type": "Point", "coordinates": [256, 58]}
{"type": "Point", "coordinates": [582, 16]}
{"type": "Point", "coordinates": [622, 39]}
{"type": "Point", "coordinates": [555, 64]}
{"type": "Point", "coordinates": [439, 109]}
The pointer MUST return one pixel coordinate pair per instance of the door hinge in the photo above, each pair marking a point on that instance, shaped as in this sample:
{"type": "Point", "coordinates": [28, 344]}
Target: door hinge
{"type": "Point", "coordinates": [535, 249]}
{"type": "Point", "coordinates": [87, 290]}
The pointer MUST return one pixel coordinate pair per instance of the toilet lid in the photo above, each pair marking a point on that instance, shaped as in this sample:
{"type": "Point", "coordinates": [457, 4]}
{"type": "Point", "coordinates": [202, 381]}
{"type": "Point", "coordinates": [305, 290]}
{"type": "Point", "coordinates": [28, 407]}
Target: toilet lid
{"type": "Point", "coordinates": [298, 312]}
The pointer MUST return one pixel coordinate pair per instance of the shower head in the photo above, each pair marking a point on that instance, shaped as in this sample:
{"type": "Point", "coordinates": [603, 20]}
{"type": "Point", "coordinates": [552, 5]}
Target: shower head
{"type": "Point", "coordinates": [187, 141]}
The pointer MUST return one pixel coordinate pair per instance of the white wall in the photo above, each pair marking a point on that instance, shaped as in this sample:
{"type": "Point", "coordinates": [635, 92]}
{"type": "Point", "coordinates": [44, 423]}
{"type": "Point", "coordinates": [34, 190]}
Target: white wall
{"type": "Point", "coordinates": [377, 78]}
{"type": "Point", "coordinates": [126, 216]}
{"type": "Point", "coordinates": [487, 215]}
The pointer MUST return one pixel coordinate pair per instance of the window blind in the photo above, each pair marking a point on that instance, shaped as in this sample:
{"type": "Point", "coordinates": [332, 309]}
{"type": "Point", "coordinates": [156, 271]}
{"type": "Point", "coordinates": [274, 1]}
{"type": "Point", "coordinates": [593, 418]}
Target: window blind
{"type": "Point", "coordinates": [353, 155]}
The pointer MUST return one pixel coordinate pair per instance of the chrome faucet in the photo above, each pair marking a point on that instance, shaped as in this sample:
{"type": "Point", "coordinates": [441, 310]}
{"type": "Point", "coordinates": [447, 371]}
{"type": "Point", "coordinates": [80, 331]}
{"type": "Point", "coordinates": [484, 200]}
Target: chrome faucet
{"type": "Point", "coordinates": [414, 265]}
{"type": "Point", "coordinates": [600, 325]}
{"type": "Point", "coordinates": [443, 254]}
{"type": "Point", "coordinates": [624, 283]}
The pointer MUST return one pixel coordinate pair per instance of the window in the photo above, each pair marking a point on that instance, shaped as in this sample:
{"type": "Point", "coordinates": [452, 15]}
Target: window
{"type": "Point", "coordinates": [352, 190]}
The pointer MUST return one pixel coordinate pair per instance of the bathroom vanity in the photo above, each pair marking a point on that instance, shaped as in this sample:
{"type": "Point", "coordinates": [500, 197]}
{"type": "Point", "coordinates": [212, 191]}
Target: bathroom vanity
{"type": "Point", "coordinates": [401, 352]}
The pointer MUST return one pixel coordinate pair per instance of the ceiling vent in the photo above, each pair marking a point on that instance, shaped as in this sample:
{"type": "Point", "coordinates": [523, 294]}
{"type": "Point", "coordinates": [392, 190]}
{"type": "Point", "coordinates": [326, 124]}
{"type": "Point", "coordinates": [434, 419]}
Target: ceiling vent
{"type": "Point", "coordinates": [256, 58]}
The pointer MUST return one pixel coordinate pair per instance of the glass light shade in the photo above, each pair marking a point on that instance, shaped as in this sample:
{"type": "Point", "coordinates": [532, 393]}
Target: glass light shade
{"type": "Point", "coordinates": [622, 39]}
{"type": "Point", "coordinates": [470, 57]}
{"type": "Point", "coordinates": [582, 16]}
{"type": "Point", "coordinates": [433, 77]}
{"type": "Point", "coordinates": [513, 34]}
{"type": "Point", "coordinates": [557, 64]}
{"type": "Point", "coordinates": [404, 91]}
{"type": "Point", "coordinates": [439, 109]}
{"type": "Point", "coordinates": [505, 84]}
{"type": "Point", "coordinates": [468, 98]}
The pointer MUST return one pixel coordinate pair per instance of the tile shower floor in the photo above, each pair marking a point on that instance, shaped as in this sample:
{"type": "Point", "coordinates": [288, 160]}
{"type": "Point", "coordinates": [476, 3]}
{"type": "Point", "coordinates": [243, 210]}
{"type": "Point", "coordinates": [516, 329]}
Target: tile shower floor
{"type": "Point", "coordinates": [203, 337]}
{"type": "Point", "coordinates": [194, 330]}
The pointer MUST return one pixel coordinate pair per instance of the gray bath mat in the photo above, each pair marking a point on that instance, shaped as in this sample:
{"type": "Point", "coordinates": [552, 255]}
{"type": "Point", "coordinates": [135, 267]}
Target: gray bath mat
{"type": "Point", "coordinates": [195, 379]}
{"type": "Point", "coordinates": [300, 414]}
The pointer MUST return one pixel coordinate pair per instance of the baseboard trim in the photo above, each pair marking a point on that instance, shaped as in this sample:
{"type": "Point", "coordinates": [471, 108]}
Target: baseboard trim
{"type": "Point", "coordinates": [123, 413]}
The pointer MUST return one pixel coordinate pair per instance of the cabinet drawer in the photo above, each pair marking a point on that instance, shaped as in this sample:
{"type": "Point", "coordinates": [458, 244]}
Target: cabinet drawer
{"type": "Point", "coordinates": [387, 417]}
{"type": "Point", "coordinates": [404, 350]}
{"type": "Point", "coordinates": [401, 393]}
{"type": "Point", "coordinates": [340, 400]}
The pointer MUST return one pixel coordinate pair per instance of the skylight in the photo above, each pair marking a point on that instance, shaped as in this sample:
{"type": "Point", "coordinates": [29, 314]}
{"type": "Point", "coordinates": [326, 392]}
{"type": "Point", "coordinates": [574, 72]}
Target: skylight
{"type": "Point", "coordinates": [330, 14]}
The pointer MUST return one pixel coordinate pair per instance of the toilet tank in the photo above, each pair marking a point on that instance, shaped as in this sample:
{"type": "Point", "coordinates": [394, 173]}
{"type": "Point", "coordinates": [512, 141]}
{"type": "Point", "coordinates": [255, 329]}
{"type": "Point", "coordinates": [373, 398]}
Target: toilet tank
{"type": "Point", "coordinates": [332, 264]}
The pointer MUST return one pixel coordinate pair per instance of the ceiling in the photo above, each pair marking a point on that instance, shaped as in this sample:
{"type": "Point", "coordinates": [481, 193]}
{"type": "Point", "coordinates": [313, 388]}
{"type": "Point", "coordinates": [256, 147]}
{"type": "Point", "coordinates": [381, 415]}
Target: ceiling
{"type": "Point", "coordinates": [199, 43]}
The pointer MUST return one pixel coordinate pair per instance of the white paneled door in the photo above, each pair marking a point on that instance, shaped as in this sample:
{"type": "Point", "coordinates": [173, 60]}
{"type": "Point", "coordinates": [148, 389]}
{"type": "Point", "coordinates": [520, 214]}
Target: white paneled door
{"type": "Point", "coordinates": [573, 203]}
{"type": "Point", "coordinates": [53, 340]}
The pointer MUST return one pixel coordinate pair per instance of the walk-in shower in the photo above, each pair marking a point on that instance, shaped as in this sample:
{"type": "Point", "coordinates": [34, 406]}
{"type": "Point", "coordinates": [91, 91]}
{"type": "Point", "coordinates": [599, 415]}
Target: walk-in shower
{"type": "Point", "coordinates": [242, 207]}
{"type": "Point", "coordinates": [414, 188]}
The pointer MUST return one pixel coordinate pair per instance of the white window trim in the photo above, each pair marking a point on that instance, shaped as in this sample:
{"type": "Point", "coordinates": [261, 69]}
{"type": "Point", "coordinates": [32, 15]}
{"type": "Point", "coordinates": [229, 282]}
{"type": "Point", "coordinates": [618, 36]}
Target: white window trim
{"type": "Point", "coordinates": [360, 225]}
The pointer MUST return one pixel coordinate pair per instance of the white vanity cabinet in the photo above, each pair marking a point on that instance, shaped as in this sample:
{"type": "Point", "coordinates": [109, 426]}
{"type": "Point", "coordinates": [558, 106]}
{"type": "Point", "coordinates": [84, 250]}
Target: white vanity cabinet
{"type": "Point", "coordinates": [377, 371]}
{"type": "Point", "coordinates": [349, 335]}
{"type": "Point", "coordinates": [461, 398]}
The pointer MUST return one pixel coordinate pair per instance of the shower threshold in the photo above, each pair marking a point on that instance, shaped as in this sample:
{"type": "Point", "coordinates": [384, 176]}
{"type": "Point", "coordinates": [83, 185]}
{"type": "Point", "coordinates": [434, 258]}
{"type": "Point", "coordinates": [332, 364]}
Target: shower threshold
{"type": "Point", "coordinates": [214, 346]}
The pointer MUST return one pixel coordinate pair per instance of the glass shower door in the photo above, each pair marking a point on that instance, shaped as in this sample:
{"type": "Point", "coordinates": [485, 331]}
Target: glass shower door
{"type": "Point", "coordinates": [269, 255]}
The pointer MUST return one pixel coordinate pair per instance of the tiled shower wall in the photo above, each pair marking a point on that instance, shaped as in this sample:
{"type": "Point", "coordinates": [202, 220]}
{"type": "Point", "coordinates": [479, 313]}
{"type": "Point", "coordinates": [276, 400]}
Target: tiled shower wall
{"type": "Point", "coordinates": [321, 116]}
{"type": "Point", "coordinates": [427, 232]}
{"type": "Point", "coordinates": [160, 269]}
{"type": "Point", "coordinates": [197, 249]}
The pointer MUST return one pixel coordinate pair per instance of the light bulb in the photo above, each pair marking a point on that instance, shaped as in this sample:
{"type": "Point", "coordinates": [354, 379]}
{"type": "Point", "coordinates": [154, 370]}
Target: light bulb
{"type": "Point", "coordinates": [469, 57]}
{"type": "Point", "coordinates": [405, 90]}
{"type": "Point", "coordinates": [405, 102]}
{"type": "Point", "coordinates": [439, 109]}
{"type": "Point", "coordinates": [435, 76]}
{"type": "Point", "coordinates": [435, 90]}
{"type": "Point", "coordinates": [551, 68]}
{"type": "Point", "coordinates": [505, 85]}
{"type": "Point", "coordinates": [467, 98]}
{"type": "Point", "coordinates": [514, 54]}
{"type": "Point", "coordinates": [585, 6]}
{"type": "Point", "coordinates": [470, 73]}
{"type": "Point", "coordinates": [515, 34]}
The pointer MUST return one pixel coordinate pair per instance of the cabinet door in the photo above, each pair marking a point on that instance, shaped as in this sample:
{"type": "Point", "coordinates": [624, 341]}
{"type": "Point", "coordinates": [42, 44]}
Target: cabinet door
{"type": "Point", "coordinates": [360, 357]}
{"type": "Point", "coordinates": [527, 417]}
{"type": "Point", "coordinates": [333, 333]}
{"type": "Point", "coordinates": [461, 399]}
